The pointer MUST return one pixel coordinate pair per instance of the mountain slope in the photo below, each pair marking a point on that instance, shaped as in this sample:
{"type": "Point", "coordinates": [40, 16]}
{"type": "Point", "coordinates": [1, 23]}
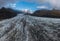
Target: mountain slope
{"type": "Point", "coordinates": [47, 13]}
{"type": "Point", "coordinates": [29, 28]}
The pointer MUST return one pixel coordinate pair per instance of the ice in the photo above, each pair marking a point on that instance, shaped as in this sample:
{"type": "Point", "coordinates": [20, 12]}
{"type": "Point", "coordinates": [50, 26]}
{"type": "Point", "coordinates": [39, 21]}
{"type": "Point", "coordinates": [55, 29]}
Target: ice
{"type": "Point", "coordinates": [30, 28]}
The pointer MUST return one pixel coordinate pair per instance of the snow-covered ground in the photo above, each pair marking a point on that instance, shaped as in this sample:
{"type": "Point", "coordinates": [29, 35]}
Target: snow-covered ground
{"type": "Point", "coordinates": [30, 28]}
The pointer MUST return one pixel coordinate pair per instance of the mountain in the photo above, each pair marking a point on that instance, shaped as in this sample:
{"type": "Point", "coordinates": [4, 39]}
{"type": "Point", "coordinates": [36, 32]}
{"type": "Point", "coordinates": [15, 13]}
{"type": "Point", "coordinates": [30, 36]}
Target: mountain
{"type": "Point", "coordinates": [47, 13]}
{"type": "Point", "coordinates": [6, 13]}
{"type": "Point", "coordinates": [30, 28]}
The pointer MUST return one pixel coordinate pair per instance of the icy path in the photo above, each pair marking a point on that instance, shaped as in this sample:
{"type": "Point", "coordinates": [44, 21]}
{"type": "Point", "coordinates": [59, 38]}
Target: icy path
{"type": "Point", "coordinates": [29, 28]}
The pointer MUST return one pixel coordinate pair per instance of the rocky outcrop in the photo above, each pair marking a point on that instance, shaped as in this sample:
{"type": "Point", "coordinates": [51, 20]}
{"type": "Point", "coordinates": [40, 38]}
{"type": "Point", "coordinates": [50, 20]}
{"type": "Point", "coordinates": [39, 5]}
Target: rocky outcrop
{"type": "Point", "coordinates": [29, 28]}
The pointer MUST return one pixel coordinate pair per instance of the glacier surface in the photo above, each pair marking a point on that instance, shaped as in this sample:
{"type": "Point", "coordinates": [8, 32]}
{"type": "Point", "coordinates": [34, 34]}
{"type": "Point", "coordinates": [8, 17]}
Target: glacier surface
{"type": "Point", "coordinates": [30, 28]}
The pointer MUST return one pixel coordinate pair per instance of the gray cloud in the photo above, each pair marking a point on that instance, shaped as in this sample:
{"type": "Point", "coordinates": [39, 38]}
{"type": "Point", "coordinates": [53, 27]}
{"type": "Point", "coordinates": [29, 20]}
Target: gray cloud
{"type": "Point", "coordinates": [55, 4]}
{"type": "Point", "coordinates": [6, 2]}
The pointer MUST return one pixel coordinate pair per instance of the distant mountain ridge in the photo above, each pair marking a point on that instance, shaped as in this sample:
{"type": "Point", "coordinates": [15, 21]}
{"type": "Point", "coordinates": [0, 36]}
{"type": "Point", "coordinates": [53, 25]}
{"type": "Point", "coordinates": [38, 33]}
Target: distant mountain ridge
{"type": "Point", "coordinates": [6, 13]}
{"type": "Point", "coordinates": [47, 13]}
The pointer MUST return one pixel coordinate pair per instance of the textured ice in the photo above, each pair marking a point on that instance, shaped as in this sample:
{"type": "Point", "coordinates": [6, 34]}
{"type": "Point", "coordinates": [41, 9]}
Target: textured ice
{"type": "Point", "coordinates": [30, 28]}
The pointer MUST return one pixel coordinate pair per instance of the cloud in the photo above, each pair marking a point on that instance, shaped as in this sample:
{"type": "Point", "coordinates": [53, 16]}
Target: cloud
{"type": "Point", "coordinates": [36, 1]}
{"type": "Point", "coordinates": [7, 2]}
{"type": "Point", "coordinates": [42, 7]}
{"type": "Point", "coordinates": [13, 5]}
{"type": "Point", "coordinates": [27, 10]}
{"type": "Point", "coordinates": [54, 3]}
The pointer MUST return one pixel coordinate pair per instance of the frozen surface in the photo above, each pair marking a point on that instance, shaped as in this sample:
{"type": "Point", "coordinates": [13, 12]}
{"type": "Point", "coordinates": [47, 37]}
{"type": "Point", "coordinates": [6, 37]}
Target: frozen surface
{"type": "Point", "coordinates": [29, 28]}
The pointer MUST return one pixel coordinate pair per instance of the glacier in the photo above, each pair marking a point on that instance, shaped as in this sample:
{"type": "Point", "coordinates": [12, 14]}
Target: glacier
{"type": "Point", "coordinates": [30, 28]}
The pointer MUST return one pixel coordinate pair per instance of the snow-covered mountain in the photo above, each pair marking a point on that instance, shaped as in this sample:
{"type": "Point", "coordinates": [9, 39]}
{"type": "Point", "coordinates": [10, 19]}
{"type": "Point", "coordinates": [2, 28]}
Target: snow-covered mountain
{"type": "Point", "coordinates": [30, 28]}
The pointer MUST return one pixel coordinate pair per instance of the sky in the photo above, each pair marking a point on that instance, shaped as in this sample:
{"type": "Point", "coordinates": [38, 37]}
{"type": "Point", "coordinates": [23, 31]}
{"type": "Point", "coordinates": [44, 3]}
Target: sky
{"type": "Point", "coordinates": [31, 5]}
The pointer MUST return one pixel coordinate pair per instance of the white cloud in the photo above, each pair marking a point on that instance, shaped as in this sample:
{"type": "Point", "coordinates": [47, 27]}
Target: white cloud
{"type": "Point", "coordinates": [10, 5]}
{"type": "Point", "coordinates": [13, 5]}
{"type": "Point", "coordinates": [42, 7]}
